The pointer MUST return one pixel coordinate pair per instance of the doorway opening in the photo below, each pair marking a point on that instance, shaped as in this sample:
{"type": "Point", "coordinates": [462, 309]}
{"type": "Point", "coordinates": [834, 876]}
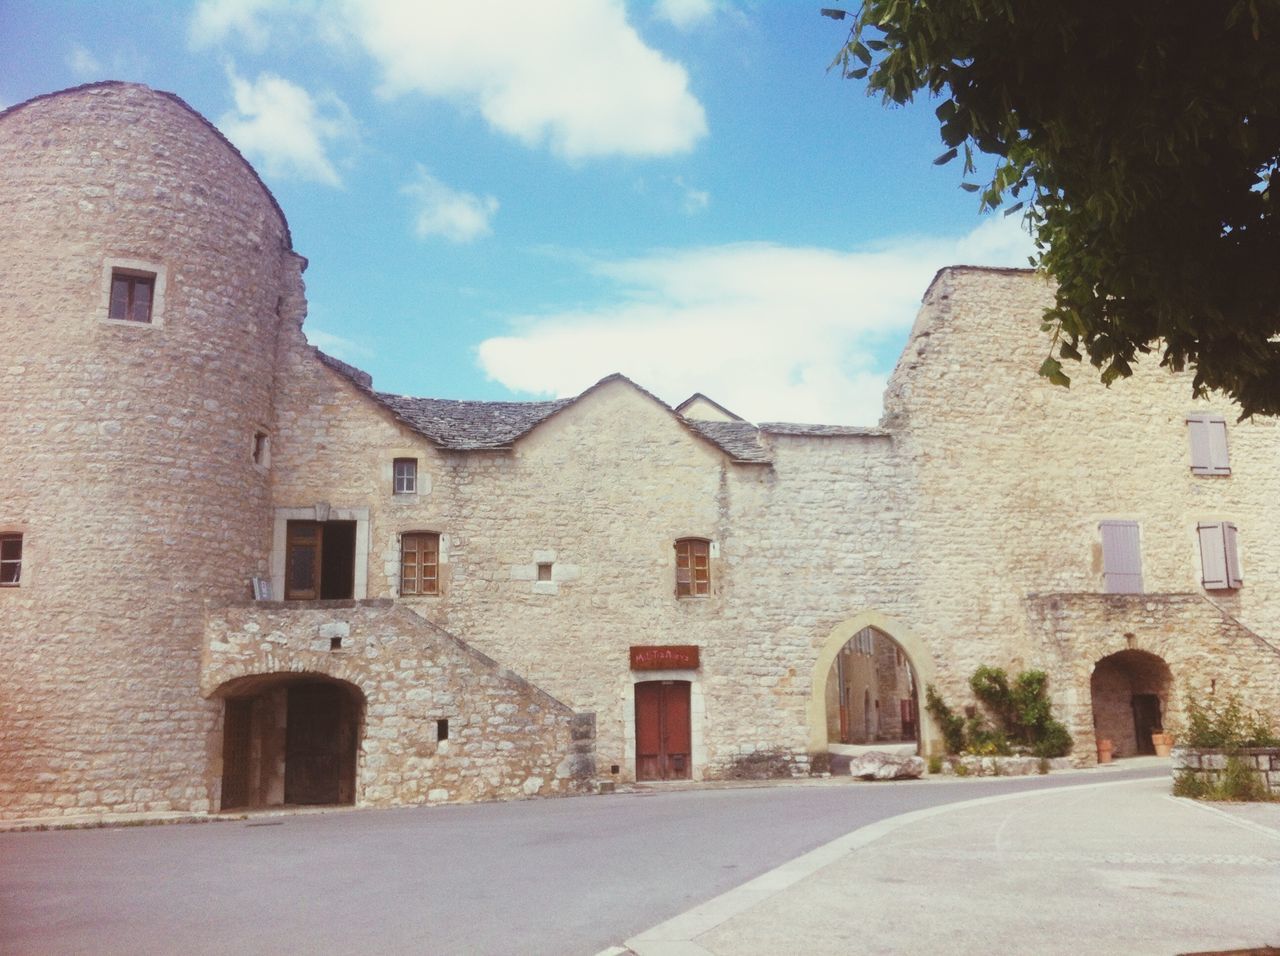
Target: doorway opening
{"type": "Point", "coordinates": [664, 739]}
{"type": "Point", "coordinates": [1130, 692]}
{"type": "Point", "coordinates": [872, 693]}
{"type": "Point", "coordinates": [290, 739]}
{"type": "Point", "coordinates": [320, 560]}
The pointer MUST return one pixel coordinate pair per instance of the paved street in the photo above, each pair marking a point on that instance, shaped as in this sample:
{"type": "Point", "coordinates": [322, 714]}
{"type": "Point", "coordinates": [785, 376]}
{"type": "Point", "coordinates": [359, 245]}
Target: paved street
{"type": "Point", "coordinates": [549, 876]}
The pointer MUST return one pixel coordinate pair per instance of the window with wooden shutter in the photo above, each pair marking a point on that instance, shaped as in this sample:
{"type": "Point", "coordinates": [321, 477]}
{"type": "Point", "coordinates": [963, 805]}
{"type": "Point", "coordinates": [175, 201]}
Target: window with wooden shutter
{"type": "Point", "coordinates": [1219, 556]}
{"type": "Point", "coordinates": [420, 563]}
{"type": "Point", "coordinates": [1208, 444]}
{"type": "Point", "coordinates": [1121, 557]}
{"type": "Point", "coordinates": [10, 560]}
{"type": "Point", "coordinates": [693, 567]}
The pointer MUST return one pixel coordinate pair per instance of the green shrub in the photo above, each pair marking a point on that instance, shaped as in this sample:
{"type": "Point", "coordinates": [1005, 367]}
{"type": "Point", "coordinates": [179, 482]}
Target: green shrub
{"type": "Point", "coordinates": [935, 764]}
{"type": "Point", "coordinates": [1018, 717]}
{"type": "Point", "coordinates": [1223, 723]}
{"type": "Point", "coordinates": [1193, 785]}
{"type": "Point", "coordinates": [950, 723]}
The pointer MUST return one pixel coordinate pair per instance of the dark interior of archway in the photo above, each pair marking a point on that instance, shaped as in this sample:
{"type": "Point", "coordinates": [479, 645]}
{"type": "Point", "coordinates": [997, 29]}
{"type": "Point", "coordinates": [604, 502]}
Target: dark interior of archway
{"type": "Point", "coordinates": [1130, 693]}
{"type": "Point", "coordinates": [310, 727]}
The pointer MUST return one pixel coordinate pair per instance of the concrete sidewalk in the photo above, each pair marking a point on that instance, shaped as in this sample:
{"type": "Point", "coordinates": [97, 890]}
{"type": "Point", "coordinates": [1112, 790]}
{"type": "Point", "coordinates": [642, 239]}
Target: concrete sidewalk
{"type": "Point", "coordinates": [1118, 868]}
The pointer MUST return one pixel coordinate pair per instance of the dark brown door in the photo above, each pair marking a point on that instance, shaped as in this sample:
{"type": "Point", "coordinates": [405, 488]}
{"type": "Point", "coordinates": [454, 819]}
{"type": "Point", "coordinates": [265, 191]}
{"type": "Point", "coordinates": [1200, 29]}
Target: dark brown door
{"type": "Point", "coordinates": [302, 561]}
{"type": "Point", "coordinates": [235, 752]}
{"type": "Point", "coordinates": [1146, 721]}
{"type": "Point", "coordinates": [313, 745]}
{"type": "Point", "coordinates": [663, 739]}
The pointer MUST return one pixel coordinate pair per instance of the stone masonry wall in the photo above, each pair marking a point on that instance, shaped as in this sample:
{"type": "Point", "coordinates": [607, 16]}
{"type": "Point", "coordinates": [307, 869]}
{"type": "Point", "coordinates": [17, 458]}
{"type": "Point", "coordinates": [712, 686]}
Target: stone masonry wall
{"type": "Point", "coordinates": [506, 738]}
{"type": "Point", "coordinates": [125, 448]}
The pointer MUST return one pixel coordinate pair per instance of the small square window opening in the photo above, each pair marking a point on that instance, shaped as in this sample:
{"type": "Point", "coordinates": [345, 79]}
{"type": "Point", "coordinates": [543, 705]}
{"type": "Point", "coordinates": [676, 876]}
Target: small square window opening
{"type": "Point", "coordinates": [10, 560]}
{"type": "Point", "coordinates": [261, 446]}
{"type": "Point", "coordinates": [405, 471]}
{"type": "Point", "coordinates": [442, 729]}
{"type": "Point", "coordinates": [544, 571]}
{"type": "Point", "coordinates": [131, 296]}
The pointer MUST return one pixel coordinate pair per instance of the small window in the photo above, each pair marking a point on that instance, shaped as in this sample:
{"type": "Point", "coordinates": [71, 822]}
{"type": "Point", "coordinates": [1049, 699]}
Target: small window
{"type": "Point", "coordinates": [693, 567]}
{"type": "Point", "coordinates": [1121, 557]}
{"type": "Point", "coordinates": [1208, 444]}
{"type": "Point", "coordinates": [420, 563]}
{"type": "Point", "coordinates": [10, 560]}
{"type": "Point", "coordinates": [131, 296]}
{"type": "Point", "coordinates": [405, 472]}
{"type": "Point", "coordinates": [1219, 556]}
{"type": "Point", "coordinates": [544, 571]}
{"type": "Point", "coordinates": [261, 448]}
{"type": "Point", "coordinates": [442, 728]}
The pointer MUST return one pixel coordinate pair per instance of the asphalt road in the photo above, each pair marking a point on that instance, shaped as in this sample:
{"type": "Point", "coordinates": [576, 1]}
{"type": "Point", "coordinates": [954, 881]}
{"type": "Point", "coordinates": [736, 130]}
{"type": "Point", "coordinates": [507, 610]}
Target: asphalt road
{"type": "Point", "coordinates": [566, 876]}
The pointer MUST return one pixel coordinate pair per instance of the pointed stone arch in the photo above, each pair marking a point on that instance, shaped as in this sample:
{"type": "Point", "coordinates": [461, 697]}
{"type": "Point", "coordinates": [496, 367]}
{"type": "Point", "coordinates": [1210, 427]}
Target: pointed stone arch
{"type": "Point", "coordinates": [921, 661]}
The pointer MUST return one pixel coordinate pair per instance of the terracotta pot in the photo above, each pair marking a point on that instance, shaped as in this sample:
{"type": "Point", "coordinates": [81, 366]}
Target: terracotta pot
{"type": "Point", "coordinates": [1105, 748]}
{"type": "Point", "coordinates": [1163, 743]}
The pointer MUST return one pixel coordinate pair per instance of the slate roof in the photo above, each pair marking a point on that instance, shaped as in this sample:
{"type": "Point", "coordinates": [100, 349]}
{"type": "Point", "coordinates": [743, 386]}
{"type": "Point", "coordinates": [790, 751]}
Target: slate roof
{"type": "Point", "coordinates": [476, 426]}
{"type": "Point", "coordinates": [470, 425]}
{"type": "Point", "coordinates": [821, 431]}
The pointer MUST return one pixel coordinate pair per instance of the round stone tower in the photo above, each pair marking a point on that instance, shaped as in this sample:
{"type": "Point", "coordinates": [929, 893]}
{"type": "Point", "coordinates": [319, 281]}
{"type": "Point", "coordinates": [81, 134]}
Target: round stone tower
{"type": "Point", "coordinates": [145, 271]}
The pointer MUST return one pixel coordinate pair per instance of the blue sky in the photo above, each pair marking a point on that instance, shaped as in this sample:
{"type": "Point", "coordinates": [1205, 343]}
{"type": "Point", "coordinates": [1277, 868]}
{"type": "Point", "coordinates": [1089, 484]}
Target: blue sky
{"type": "Point", "coordinates": [515, 200]}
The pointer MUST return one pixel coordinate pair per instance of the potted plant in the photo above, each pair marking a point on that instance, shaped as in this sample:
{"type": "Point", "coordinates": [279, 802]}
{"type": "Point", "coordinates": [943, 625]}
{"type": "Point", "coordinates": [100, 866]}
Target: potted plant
{"type": "Point", "coordinates": [1163, 743]}
{"type": "Point", "coordinates": [1105, 749]}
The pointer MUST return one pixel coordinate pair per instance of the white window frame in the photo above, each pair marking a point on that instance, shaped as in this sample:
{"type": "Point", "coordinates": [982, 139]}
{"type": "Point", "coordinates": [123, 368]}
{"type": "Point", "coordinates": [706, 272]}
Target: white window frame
{"type": "Point", "coordinates": [404, 483]}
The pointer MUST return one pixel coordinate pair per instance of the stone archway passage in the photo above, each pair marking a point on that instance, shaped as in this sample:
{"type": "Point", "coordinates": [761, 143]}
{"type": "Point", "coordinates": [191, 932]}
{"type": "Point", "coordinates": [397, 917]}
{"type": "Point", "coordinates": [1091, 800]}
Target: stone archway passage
{"type": "Point", "coordinates": [289, 739]}
{"type": "Point", "coordinates": [826, 725]}
{"type": "Point", "coordinates": [1130, 693]}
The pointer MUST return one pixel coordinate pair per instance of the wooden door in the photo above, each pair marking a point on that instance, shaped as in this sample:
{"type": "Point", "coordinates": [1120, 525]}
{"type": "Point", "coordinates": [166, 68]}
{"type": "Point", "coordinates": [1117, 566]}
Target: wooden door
{"type": "Point", "coordinates": [313, 744]}
{"type": "Point", "coordinates": [663, 731]}
{"type": "Point", "coordinates": [303, 560]}
{"type": "Point", "coordinates": [1146, 721]}
{"type": "Point", "coordinates": [236, 723]}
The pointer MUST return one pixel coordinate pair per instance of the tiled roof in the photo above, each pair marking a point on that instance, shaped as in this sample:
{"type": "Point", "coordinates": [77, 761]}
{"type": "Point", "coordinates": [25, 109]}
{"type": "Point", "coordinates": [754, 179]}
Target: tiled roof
{"type": "Point", "coordinates": [740, 440]}
{"type": "Point", "coordinates": [470, 425]}
{"type": "Point", "coordinates": [475, 426]}
{"type": "Point", "coordinates": [821, 431]}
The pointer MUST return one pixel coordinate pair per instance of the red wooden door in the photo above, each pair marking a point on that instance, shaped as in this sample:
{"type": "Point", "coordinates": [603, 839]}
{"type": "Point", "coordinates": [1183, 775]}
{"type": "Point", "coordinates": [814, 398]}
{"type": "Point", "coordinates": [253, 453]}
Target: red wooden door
{"type": "Point", "coordinates": [663, 736]}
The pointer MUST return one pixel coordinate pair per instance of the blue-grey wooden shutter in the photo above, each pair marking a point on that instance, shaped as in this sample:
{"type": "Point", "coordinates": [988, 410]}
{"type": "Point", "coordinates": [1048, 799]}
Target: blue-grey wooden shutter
{"type": "Point", "coordinates": [1208, 444]}
{"type": "Point", "coordinates": [1121, 557]}
{"type": "Point", "coordinates": [1213, 556]}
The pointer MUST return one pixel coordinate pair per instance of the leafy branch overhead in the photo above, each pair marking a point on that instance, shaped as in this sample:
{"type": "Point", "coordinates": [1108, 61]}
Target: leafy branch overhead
{"type": "Point", "coordinates": [1141, 139]}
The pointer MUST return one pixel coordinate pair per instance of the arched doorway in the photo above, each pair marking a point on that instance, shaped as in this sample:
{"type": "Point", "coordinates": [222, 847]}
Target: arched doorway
{"type": "Point", "coordinates": [289, 739]}
{"type": "Point", "coordinates": [1130, 693]}
{"type": "Point", "coordinates": [871, 692]}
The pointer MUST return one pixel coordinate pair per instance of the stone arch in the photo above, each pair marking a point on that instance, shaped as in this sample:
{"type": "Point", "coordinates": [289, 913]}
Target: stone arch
{"type": "Point", "coordinates": [921, 661]}
{"type": "Point", "coordinates": [1130, 694]}
{"type": "Point", "coordinates": [289, 738]}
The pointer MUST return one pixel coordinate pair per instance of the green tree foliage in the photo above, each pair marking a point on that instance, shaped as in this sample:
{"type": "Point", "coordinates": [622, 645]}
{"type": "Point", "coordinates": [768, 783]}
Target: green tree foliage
{"type": "Point", "coordinates": [1141, 138]}
{"type": "Point", "coordinates": [1224, 723]}
{"type": "Point", "coordinates": [1018, 717]}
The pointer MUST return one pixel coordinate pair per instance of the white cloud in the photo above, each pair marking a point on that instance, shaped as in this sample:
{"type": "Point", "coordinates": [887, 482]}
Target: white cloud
{"type": "Point", "coordinates": [683, 14]}
{"type": "Point", "coordinates": [444, 211]}
{"type": "Point", "coordinates": [83, 64]}
{"type": "Point", "coordinates": [692, 201]}
{"type": "Point", "coordinates": [775, 333]}
{"type": "Point", "coordinates": [337, 346]}
{"type": "Point", "coordinates": [215, 21]}
{"type": "Point", "coordinates": [283, 126]}
{"type": "Point", "coordinates": [571, 74]}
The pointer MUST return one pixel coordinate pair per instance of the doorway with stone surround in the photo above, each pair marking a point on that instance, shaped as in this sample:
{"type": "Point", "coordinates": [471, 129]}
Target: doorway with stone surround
{"type": "Point", "coordinates": [1130, 695]}
{"type": "Point", "coordinates": [289, 740]}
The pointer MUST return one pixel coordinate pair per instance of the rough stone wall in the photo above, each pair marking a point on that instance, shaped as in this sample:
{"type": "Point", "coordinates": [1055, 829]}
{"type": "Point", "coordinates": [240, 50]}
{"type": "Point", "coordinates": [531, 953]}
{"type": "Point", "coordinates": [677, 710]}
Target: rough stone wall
{"type": "Point", "coordinates": [506, 737]}
{"type": "Point", "coordinates": [1010, 477]}
{"type": "Point", "coordinates": [125, 449]}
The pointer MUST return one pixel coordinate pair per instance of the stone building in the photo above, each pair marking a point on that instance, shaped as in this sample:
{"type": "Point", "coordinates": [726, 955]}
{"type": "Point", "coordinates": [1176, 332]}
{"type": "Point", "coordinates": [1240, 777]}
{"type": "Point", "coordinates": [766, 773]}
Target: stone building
{"type": "Point", "coordinates": [233, 573]}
